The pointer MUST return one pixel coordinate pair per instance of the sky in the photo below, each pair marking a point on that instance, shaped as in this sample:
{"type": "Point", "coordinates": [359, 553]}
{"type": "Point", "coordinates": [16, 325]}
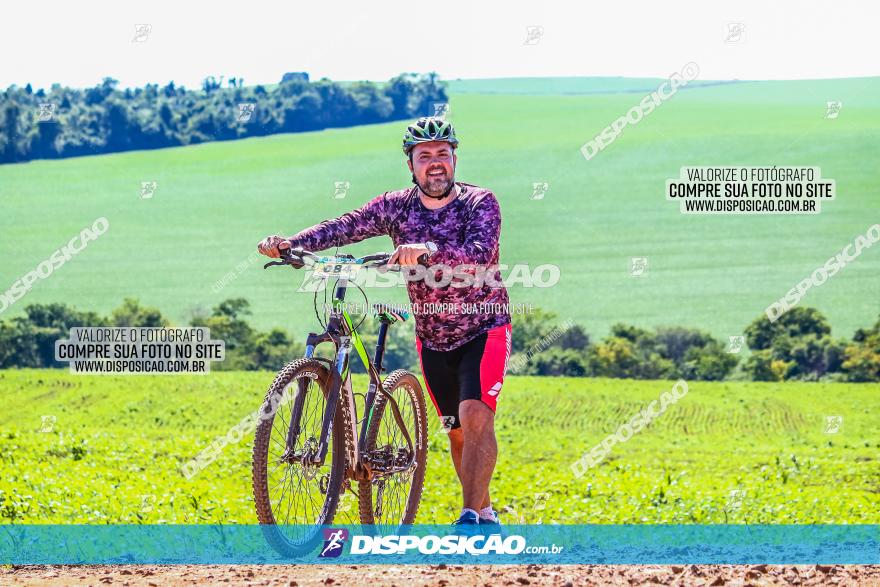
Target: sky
{"type": "Point", "coordinates": [79, 43]}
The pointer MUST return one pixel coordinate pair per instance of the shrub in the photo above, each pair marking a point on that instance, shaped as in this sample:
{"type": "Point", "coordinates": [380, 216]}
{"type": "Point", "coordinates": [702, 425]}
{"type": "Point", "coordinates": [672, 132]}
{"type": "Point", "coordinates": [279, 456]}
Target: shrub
{"type": "Point", "coordinates": [710, 362]}
{"type": "Point", "coordinates": [575, 338]}
{"type": "Point", "coordinates": [796, 346]}
{"type": "Point", "coordinates": [557, 362]}
{"type": "Point", "coordinates": [29, 340]}
{"type": "Point", "coordinates": [695, 354]}
{"type": "Point", "coordinates": [532, 330]}
{"type": "Point", "coordinates": [131, 313]}
{"type": "Point", "coordinates": [799, 321]}
{"type": "Point", "coordinates": [862, 363]}
{"type": "Point", "coordinates": [861, 360]}
{"type": "Point", "coordinates": [618, 356]}
{"type": "Point", "coordinates": [270, 351]}
{"type": "Point", "coordinates": [672, 352]}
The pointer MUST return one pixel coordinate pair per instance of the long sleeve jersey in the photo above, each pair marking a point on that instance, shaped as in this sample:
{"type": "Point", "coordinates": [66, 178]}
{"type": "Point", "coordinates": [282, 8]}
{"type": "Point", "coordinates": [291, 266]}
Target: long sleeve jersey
{"type": "Point", "coordinates": [466, 232]}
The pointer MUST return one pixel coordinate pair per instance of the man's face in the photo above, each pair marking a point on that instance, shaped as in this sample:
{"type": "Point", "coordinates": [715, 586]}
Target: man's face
{"type": "Point", "coordinates": [433, 164]}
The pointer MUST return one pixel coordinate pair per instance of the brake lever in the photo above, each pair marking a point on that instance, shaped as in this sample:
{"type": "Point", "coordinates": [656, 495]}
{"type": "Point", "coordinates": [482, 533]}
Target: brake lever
{"type": "Point", "coordinates": [270, 263]}
{"type": "Point", "coordinates": [287, 258]}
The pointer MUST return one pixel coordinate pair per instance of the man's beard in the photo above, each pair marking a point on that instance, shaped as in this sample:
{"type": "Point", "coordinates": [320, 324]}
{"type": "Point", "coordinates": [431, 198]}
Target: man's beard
{"type": "Point", "coordinates": [437, 186]}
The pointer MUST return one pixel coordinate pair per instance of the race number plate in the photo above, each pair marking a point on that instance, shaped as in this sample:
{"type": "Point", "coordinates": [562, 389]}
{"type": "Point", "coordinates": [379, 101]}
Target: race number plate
{"type": "Point", "coordinates": [333, 269]}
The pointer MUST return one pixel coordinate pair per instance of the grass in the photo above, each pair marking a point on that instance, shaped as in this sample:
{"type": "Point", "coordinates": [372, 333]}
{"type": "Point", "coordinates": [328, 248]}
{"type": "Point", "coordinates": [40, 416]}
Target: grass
{"type": "Point", "coordinates": [114, 452]}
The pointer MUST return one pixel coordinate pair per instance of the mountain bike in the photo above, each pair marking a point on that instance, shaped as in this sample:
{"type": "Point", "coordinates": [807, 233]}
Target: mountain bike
{"type": "Point", "coordinates": [308, 451]}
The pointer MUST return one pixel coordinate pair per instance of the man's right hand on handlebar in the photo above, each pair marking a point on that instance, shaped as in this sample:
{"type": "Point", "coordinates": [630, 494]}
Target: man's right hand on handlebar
{"type": "Point", "coordinates": [409, 254]}
{"type": "Point", "coordinates": [269, 245]}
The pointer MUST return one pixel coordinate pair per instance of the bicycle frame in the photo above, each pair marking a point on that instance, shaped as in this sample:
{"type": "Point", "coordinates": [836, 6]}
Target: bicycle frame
{"type": "Point", "coordinates": [342, 333]}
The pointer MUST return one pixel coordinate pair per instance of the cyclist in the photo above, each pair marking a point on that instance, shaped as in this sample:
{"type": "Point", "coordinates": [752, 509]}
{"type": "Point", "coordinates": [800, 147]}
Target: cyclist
{"type": "Point", "coordinates": [464, 351]}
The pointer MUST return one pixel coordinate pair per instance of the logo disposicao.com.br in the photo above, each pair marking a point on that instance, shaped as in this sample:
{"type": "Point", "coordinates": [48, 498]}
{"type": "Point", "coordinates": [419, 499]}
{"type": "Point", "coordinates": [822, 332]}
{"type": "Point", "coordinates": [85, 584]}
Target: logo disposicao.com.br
{"type": "Point", "coordinates": [334, 540]}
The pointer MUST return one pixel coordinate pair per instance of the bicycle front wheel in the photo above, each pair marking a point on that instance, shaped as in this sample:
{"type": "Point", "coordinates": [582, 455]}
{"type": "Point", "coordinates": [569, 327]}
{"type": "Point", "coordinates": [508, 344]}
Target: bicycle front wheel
{"type": "Point", "coordinates": [392, 496]}
{"type": "Point", "coordinates": [294, 496]}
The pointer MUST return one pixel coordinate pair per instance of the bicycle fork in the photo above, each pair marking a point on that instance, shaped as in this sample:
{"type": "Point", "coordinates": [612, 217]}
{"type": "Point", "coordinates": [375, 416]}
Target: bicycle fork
{"type": "Point", "coordinates": [337, 388]}
{"type": "Point", "coordinates": [316, 454]}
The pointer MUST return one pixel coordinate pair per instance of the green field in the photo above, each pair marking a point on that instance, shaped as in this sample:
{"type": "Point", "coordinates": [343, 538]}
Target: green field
{"type": "Point", "coordinates": [216, 201]}
{"type": "Point", "coordinates": [116, 445]}
{"type": "Point", "coordinates": [114, 451]}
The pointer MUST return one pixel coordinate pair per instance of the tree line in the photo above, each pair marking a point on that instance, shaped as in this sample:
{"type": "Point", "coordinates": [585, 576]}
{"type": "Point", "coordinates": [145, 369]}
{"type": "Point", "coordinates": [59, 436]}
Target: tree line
{"type": "Point", "coordinates": [798, 346]}
{"type": "Point", "coordinates": [69, 122]}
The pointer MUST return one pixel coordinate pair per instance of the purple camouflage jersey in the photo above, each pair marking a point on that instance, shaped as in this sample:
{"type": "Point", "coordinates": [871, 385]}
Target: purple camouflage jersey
{"type": "Point", "coordinates": [466, 232]}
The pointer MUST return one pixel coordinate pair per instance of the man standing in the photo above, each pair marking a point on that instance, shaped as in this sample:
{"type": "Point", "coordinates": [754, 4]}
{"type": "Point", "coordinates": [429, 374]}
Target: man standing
{"type": "Point", "coordinates": [464, 349]}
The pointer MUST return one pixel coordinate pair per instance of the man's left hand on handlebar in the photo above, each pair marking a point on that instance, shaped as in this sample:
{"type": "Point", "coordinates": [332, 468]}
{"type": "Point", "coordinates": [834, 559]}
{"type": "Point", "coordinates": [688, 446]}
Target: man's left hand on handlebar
{"type": "Point", "coordinates": [269, 245]}
{"type": "Point", "coordinates": [408, 254]}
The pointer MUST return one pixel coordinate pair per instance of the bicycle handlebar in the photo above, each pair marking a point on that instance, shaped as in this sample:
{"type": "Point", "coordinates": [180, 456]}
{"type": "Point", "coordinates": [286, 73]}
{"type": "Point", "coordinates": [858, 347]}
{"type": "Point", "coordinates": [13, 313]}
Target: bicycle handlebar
{"type": "Point", "coordinates": [296, 259]}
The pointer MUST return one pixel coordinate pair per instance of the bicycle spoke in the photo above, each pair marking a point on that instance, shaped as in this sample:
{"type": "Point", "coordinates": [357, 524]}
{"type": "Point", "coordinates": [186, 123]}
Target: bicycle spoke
{"type": "Point", "coordinates": [391, 441]}
{"type": "Point", "coordinates": [283, 486]}
{"type": "Point", "coordinates": [292, 499]}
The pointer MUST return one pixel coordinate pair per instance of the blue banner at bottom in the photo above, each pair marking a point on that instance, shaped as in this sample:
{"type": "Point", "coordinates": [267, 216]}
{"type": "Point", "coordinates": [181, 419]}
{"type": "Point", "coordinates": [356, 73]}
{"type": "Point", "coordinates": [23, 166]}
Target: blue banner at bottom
{"type": "Point", "coordinates": [423, 544]}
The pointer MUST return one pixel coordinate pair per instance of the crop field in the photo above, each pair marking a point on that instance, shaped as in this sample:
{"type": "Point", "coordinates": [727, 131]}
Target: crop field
{"type": "Point", "coordinates": [215, 201]}
{"type": "Point", "coordinates": [91, 449]}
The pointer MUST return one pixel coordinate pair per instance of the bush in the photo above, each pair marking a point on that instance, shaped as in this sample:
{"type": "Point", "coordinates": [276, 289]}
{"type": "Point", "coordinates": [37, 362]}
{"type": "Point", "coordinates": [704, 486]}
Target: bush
{"type": "Point", "coordinates": [796, 346]}
{"type": "Point", "coordinates": [557, 362]}
{"type": "Point", "coordinates": [710, 362]}
{"type": "Point", "coordinates": [862, 363]}
{"type": "Point", "coordinates": [695, 354]}
{"type": "Point", "coordinates": [677, 341]}
{"type": "Point", "coordinates": [814, 356]}
{"type": "Point", "coordinates": [799, 321]}
{"type": "Point", "coordinates": [761, 366]}
{"type": "Point", "coordinates": [861, 360]}
{"type": "Point", "coordinates": [619, 356]}
{"type": "Point", "coordinates": [270, 351]}
{"type": "Point", "coordinates": [673, 352]}
{"type": "Point", "coordinates": [227, 324]}
{"type": "Point", "coordinates": [131, 313]}
{"type": "Point", "coordinates": [532, 330]}
{"type": "Point", "coordinates": [29, 341]}
{"type": "Point", "coordinates": [246, 348]}
{"type": "Point", "coordinates": [575, 338]}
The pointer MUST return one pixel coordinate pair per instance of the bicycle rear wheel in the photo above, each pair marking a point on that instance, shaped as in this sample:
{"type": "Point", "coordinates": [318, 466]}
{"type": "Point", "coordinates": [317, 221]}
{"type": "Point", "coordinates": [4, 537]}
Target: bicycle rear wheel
{"type": "Point", "coordinates": [294, 497]}
{"type": "Point", "coordinates": [392, 498]}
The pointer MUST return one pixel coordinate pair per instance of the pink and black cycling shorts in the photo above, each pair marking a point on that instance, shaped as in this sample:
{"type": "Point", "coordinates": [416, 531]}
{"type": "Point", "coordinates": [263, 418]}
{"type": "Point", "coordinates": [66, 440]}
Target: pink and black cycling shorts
{"type": "Point", "coordinates": [475, 370]}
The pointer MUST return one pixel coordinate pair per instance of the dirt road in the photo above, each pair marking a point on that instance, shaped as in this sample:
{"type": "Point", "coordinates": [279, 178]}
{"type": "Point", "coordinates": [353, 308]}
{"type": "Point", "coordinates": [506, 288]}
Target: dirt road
{"type": "Point", "coordinates": [447, 576]}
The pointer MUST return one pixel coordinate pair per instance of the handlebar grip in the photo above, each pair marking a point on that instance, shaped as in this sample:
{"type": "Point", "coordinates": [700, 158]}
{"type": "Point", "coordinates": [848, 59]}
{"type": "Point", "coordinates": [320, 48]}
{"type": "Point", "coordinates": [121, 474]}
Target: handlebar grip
{"type": "Point", "coordinates": [288, 251]}
{"type": "Point", "coordinates": [423, 261]}
{"type": "Point", "coordinates": [376, 257]}
{"type": "Point", "coordinates": [288, 256]}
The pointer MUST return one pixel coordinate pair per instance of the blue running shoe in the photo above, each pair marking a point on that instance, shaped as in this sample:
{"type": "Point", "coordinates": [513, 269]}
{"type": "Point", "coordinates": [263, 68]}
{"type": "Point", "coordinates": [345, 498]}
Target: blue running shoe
{"type": "Point", "coordinates": [493, 525]}
{"type": "Point", "coordinates": [467, 524]}
{"type": "Point", "coordinates": [467, 518]}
